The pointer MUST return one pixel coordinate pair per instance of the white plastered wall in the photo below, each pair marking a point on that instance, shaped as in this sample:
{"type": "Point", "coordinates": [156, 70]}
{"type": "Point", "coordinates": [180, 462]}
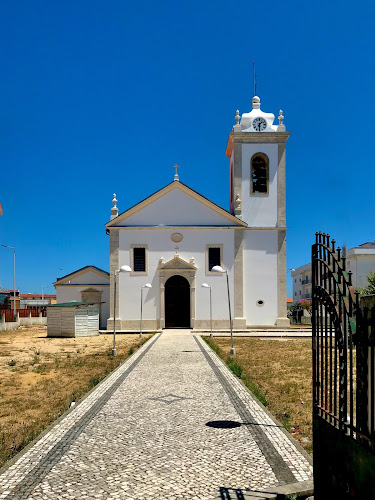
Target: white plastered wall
{"type": "Point", "coordinates": [160, 245]}
{"type": "Point", "coordinates": [176, 208]}
{"type": "Point", "coordinates": [72, 293]}
{"type": "Point", "coordinates": [89, 278]}
{"type": "Point", "coordinates": [260, 277]}
{"type": "Point", "coordinates": [259, 210]}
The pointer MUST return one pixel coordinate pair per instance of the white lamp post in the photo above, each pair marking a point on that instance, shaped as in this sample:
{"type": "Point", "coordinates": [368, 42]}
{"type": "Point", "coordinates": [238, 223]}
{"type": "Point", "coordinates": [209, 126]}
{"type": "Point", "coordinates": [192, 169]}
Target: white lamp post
{"type": "Point", "coordinates": [204, 285]}
{"type": "Point", "coordinates": [147, 285]}
{"type": "Point", "coordinates": [123, 269]}
{"type": "Point", "coordinates": [14, 278]}
{"type": "Point", "coordinates": [291, 270]}
{"type": "Point", "coordinates": [219, 269]}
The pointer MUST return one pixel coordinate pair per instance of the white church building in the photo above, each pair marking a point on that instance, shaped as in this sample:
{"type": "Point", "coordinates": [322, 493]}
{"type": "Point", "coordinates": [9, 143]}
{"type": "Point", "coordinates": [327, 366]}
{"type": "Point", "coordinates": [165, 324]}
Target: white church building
{"type": "Point", "coordinates": [172, 240]}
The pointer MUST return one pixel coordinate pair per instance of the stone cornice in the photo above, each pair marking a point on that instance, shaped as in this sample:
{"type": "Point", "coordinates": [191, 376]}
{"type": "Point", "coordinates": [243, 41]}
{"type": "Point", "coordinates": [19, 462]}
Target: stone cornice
{"type": "Point", "coordinates": [199, 228]}
{"type": "Point", "coordinates": [255, 138]}
{"type": "Point", "coordinates": [82, 284]}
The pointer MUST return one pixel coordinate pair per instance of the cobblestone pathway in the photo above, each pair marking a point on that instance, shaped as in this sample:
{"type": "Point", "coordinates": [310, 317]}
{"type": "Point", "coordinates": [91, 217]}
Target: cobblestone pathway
{"type": "Point", "coordinates": [143, 434]}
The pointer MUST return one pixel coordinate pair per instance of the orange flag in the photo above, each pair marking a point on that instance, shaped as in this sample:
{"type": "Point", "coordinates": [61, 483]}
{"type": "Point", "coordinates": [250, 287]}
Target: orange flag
{"type": "Point", "coordinates": [1, 210]}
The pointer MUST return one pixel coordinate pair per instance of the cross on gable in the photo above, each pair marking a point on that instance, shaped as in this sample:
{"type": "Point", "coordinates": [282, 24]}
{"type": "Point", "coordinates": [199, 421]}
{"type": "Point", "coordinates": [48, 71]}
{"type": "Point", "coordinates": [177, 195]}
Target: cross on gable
{"type": "Point", "coordinates": [176, 174]}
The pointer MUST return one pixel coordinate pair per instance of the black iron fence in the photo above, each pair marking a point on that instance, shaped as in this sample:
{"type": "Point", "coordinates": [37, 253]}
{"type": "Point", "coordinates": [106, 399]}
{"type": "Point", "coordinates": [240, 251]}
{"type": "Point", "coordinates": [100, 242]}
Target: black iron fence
{"type": "Point", "coordinates": [343, 378]}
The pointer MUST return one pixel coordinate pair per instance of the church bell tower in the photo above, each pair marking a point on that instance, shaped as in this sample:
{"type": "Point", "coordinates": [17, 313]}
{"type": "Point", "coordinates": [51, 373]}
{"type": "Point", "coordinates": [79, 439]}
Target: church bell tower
{"type": "Point", "coordinates": [256, 149]}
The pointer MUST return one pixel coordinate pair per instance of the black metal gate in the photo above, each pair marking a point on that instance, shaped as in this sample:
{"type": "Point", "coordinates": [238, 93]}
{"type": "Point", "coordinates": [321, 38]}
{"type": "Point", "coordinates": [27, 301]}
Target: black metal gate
{"type": "Point", "coordinates": [343, 379]}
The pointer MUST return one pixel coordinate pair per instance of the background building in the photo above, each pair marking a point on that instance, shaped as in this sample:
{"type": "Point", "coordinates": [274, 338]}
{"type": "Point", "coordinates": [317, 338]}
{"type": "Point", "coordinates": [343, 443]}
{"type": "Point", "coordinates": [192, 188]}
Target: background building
{"type": "Point", "coordinates": [36, 301]}
{"type": "Point", "coordinates": [302, 288]}
{"type": "Point", "coordinates": [359, 260]}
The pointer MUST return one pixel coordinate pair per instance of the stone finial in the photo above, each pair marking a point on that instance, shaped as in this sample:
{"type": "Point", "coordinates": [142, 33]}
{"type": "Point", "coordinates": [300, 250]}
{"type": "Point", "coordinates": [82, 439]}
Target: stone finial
{"type": "Point", "coordinates": [237, 127]}
{"type": "Point", "coordinates": [281, 126]}
{"type": "Point", "coordinates": [237, 206]}
{"type": "Point", "coordinates": [114, 209]}
{"type": "Point", "coordinates": [192, 261]}
{"type": "Point", "coordinates": [256, 102]}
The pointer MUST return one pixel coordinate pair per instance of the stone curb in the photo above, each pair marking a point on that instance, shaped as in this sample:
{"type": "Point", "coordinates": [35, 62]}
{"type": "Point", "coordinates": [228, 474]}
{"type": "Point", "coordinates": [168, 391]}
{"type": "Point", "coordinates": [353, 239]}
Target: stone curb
{"type": "Point", "coordinates": [301, 489]}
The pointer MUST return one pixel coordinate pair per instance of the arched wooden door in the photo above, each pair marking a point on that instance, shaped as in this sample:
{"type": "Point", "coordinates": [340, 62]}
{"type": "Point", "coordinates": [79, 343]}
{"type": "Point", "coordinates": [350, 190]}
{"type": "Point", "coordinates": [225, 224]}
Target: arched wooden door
{"type": "Point", "coordinates": [177, 302]}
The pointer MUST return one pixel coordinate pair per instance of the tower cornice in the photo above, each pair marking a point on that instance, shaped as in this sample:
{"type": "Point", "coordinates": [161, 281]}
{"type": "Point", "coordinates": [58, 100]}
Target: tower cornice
{"type": "Point", "coordinates": [255, 138]}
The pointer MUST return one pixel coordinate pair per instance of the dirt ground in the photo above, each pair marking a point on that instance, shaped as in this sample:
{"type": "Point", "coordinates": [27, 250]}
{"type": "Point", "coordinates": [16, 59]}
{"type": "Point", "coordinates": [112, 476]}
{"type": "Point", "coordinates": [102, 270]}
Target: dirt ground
{"type": "Point", "coordinates": [279, 372]}
{"type": "Point", "coordinates": [40, 377]}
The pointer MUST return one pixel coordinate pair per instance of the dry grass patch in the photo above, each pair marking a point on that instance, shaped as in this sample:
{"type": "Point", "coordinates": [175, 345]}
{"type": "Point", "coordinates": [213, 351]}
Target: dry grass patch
{"type": "Point", "coordinates": [279, 373]}
{"type": "Point", "coordinates": [40, 377]}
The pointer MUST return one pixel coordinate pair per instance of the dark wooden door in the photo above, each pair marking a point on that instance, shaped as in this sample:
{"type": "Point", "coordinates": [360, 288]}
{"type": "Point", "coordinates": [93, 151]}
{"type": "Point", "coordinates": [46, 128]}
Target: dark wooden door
{"type": "Point", "coordinates": [177, 302]}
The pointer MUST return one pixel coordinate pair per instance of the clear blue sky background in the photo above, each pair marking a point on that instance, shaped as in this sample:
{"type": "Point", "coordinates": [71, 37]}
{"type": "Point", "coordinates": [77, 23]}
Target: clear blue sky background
{"type": "Point", "coordinates": [105, 96]}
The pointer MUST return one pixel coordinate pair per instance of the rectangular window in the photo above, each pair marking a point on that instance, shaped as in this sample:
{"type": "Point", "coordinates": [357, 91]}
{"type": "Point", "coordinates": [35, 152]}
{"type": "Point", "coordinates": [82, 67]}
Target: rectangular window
{"type": "Point", "coordinates": [214, 256]}
{"type": "Point", "coordinates": [138, 258]}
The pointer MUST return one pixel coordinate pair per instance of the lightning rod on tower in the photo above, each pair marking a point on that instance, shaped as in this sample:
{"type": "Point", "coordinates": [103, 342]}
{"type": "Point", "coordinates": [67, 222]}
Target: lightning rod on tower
{"type": "Point", "coordinates": [254, 79]}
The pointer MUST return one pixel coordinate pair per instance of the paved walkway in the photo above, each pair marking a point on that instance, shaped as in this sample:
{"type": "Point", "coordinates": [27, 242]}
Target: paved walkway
{"type": "Point", "coordinates": [171, 423]}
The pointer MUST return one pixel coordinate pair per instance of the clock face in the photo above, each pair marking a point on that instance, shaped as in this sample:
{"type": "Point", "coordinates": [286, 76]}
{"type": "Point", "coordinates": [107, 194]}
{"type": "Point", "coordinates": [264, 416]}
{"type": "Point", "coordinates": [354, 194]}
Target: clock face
{"type": "Point", "coordinates": [259, 124]}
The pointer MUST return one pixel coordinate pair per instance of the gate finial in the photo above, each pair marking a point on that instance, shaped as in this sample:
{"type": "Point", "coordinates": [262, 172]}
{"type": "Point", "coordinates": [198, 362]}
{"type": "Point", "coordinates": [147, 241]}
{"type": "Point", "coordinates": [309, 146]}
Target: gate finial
{"type": "Point", "coordinates": [350, 277]}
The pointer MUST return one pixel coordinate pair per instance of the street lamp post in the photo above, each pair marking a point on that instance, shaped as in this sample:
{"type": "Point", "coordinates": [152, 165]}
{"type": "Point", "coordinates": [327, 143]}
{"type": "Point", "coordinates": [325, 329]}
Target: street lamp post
{"type": "Point", "coordinates": [147, 285]}
{"type": "Point", "coordinates": [219, 269]}
{"type": "Point", "coordinates": [205, 285]}
{"type": "Point", "coordinates": [43, 287]}
{"type": "Point", "coordinates": [14, 278]}
{"type": "Point", "coordinates": [123, 269]}
{"type": "Point", "coordinates": [291, 270]}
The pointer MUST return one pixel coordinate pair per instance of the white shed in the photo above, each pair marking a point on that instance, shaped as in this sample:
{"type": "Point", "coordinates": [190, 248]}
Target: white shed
{"type": "Point", "coordinates": [88, 284]}
{"type": "Point", "coordinates": [73, 319]}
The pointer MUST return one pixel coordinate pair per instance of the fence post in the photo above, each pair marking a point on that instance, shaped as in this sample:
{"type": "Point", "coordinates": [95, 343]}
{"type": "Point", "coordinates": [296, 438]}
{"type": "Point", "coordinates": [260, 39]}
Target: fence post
{"type": "Point", "coordinates": [365, 365]}
{"type": "Point", "coordinates": [362, 358]}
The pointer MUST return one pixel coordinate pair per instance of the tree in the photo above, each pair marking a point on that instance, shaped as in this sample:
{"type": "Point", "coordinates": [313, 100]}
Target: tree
{"type": "Point", "coordinates": [307, 305]}
{"type": "Point", "coordinates": [369, 289]}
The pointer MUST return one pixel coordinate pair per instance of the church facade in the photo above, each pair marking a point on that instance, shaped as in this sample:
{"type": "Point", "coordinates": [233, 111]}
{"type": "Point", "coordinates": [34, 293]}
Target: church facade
{"type": "Point", "coordinates": [173, 239]}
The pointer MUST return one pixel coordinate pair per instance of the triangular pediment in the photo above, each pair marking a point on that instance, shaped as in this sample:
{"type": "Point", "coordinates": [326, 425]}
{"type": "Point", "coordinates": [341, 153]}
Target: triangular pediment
{"type": "Point", "coordinates": [85, 275]}
{"type": "Point", "coordinates": [177, 263]}
{"type": "Point", "coordinates": [175, 205]}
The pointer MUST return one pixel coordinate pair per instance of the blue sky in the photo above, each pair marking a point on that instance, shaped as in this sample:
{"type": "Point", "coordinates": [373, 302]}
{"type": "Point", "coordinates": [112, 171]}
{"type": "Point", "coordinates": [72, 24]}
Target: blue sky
{"type": "Point", "coordinates": [102, 97]}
